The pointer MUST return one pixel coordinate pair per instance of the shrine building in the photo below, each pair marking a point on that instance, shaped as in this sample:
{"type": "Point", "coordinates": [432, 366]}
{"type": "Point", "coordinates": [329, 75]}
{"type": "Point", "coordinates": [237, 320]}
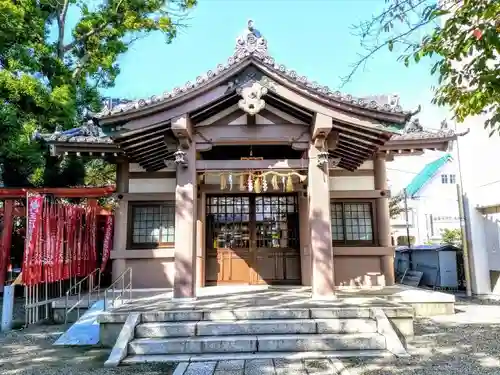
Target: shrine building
{"type": "Point", "coordinates": [252, 174]}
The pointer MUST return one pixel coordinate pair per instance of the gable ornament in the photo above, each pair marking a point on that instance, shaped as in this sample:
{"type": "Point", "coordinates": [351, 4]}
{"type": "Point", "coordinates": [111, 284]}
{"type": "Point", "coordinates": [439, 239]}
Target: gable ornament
{"type": "Point", "coordinates": [251, 101]}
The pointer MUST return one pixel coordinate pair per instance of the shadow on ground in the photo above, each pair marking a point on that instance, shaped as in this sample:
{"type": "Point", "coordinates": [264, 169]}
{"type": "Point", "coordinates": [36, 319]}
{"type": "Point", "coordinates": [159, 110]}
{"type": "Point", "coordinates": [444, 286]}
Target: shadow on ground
{"type": "Point", "coordinates": [30, 352]}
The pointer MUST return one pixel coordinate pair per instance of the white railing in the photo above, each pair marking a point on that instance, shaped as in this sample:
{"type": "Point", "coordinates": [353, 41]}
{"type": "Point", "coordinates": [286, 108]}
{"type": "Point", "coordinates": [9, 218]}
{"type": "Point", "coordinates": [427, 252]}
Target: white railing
{"type": "Point", "coordinates": [76, 290]}
{"type": "Point", "coordinates": [40, 297]}
{"type": "Point", "coordinates": [125, 281]}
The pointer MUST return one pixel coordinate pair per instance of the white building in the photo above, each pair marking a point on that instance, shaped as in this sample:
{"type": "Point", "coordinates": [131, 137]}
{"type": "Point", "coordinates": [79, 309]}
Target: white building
{"type": "Point", "coordinates": [432, 203]}
{"type": "Point", "coordinates": [478, 153]}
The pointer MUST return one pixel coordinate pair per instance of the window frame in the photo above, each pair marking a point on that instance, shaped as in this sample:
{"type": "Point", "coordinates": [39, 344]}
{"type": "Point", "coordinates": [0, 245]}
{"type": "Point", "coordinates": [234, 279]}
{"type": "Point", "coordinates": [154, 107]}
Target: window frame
{"type": "Point", "coordinates": [454, 177]}
{"type": "Point", "coordinates": [351, 243]}
{"type": "Point", "coordinates": [444, 179]}
{"type": "Point", "coordinates": [130, 225]}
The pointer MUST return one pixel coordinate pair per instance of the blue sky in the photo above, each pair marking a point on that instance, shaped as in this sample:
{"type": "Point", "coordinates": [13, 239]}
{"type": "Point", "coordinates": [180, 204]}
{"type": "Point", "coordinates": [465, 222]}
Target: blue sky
{"type": "Point", "coordinates": [313, 37]}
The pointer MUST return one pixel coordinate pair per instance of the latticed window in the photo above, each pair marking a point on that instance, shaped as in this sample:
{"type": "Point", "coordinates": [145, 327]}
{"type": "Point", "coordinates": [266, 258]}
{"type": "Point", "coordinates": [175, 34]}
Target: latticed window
{"type": "Point", "coordinates": [152, 225]}
{"type": "Point", "coordinates": [352, 222]}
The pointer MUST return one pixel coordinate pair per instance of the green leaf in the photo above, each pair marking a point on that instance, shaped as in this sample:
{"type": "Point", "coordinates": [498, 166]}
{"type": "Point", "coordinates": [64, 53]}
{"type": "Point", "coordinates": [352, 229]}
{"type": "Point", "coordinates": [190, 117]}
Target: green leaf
{"type": "Point", "coordinates": [44, 83]}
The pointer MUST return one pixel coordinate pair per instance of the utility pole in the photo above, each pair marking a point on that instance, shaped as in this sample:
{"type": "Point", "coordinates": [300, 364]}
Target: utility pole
{"type": "Point", "coordinates": [407, 219]}
{"type": "Point", "coordinates": [465, 247]}
{"type": "Point", "coordinates": [408, 241]}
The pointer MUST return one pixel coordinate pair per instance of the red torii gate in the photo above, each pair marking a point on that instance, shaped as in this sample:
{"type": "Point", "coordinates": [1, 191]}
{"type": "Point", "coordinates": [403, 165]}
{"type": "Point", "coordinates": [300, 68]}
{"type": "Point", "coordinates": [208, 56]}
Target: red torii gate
{"type": "Point", "coordinates": [10, 195]}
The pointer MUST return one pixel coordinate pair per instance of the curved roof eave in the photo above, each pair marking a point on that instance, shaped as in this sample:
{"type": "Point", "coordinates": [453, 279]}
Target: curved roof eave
{"type": "Point", "coordinates": [251, 47]}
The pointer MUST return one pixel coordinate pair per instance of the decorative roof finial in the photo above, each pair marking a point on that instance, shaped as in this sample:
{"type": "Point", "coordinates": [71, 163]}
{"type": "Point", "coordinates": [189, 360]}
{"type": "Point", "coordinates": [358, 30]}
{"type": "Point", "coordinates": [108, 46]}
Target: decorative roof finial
{"type": "Point", "coordinates": [250, 42]}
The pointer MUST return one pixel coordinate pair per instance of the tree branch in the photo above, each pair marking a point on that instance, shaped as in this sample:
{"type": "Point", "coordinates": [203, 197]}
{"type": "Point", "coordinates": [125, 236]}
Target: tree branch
{"type": "Point", "coordinates": [61, 23]}
{"type": "Point", "coordinates": [81, 64]}
{"type": "Point", "coordinates": [378, 47]}
{"type": "Point", "coordinates": [84, 37]}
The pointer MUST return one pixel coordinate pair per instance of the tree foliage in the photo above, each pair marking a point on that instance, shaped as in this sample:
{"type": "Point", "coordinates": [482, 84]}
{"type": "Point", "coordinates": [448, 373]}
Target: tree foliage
{"type": "Point", "coordinates": [52, 71]}
{"type": "Point", "coordinates": [461, 37]}
{"type": "Point", "coordinates": [99, 173]}
{"type": "Point", "coordinates": [452, 237]}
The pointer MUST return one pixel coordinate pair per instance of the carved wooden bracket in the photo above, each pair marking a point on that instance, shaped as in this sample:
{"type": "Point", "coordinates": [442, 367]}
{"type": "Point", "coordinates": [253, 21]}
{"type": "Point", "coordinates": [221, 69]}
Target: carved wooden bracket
{"type": "Point", "coordinates": [182, 129]}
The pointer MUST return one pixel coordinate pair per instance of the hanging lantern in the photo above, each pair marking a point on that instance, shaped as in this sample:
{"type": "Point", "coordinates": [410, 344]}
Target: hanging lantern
{"type": "Point", "coordinates": [242, 182]}
{"type": "Point", "coordinates": [283, 182]}
{"type": "Point", "coordinates": [289, 184]}
{"type": "Point", "coordinates": [250, 183]}
{"type": "Point", "coordinates": [230, 180]}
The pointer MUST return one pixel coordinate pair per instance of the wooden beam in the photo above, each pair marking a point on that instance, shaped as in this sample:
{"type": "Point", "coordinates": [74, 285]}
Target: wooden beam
{"type": "Point", "coordinates": [143, 135]}
{"type": "Point", "coordinates": [183, 130]}
{"type": "Point", "coordinates": [321, 125]}
{"type": "Point", "coordinates": [375, 134]}
{"type": "Point", "coordinates": [352, 194]}
{"type": "Point", "coordinates": [337, 172]}
{"type": "Point", "coordinates": [153, 157]}
{"type": "Point", "coordinates": [362, 140]}
{"type": "Point", "coordinates": [250, 120]}
{"type": "Point", "coordinates": [146, 151]}
{"type": "Point", "coordinates": [333, 140]}
{"type": "Point", "coordinates": [215, 188]}
{"type": "Point", "coordinates": [136, 145]}
{"type": "Point", "coordinates": [221, 165]}
{"type": "Point", "coordinates": [349, 152]}
{"type": "Point", "coordinates": [165, 174]}
{"type": "Point", "coordinates": [82, 192]}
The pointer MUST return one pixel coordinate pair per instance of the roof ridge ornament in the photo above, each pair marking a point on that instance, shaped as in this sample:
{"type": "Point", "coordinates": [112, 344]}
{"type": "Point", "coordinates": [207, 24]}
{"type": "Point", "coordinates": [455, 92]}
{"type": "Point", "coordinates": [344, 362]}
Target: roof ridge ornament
{"type": "Point", "coordinates": [251, 42]}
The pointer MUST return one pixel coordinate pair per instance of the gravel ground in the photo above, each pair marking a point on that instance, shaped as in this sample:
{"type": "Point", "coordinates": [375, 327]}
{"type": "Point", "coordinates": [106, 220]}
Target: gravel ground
{"type": "Point", "coordinates": [466, 343]}
{"type": "Point", "coordinates": [30, 352]}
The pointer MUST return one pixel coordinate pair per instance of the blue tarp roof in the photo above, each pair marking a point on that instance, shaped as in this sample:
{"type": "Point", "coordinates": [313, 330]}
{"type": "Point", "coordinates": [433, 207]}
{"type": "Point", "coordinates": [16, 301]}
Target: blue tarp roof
{"type": "Point", "coordinates": [426, 174]}
{"type": "Point", "coordinates": [434, 247]}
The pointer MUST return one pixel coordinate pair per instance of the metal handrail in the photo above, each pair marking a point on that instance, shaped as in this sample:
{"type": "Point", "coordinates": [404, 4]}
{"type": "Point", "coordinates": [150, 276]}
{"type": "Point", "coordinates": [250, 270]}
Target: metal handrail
{"type": "Point", "coordinates": [78, 287]}
{"type": "Point", "coordinates": [119, 279]}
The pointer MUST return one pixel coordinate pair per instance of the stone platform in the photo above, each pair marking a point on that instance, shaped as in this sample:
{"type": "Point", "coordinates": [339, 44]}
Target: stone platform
{"type": "Point", "coordinates": [249, 322]}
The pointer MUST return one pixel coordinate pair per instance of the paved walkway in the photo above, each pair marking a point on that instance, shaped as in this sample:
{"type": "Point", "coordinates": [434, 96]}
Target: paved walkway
{"type": "Point", "coordinates": [263, 367]}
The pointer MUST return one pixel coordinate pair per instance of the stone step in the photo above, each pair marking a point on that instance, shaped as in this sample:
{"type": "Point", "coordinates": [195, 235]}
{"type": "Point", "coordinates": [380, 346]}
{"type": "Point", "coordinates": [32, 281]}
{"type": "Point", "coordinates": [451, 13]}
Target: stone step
{"type": "Point", "coordinates": [254, 327]}
{"type": "Point", "coordinates": [256, 314]}
{"type": "Point", "coordinates": [174, 358]}
{"type": "Point", "coordinates": [261, 343]}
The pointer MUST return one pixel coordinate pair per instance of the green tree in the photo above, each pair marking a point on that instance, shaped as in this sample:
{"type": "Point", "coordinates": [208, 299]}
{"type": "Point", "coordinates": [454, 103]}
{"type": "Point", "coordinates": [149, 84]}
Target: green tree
{"type": "Point", "coordinates": [99, 173]}
{"type": "Point", "coordinates": [461, 37]}
{"type": "Point", "coordinates": [52, 67]}
{"type": "Point", "coordinates": [452, 237]}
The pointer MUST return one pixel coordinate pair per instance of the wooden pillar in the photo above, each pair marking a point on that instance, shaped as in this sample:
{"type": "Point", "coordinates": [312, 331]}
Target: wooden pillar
{"type": "Point", "coordinates": [185, 215]}
{"type": "Point", "coordinates": [383, 218]}
{"type": "Point", "coordinates": [322, 269]}
{"type": "Point", "coordinates": [304, 232]}
{"type": "Point", "coordinates": [200, 241]}
{"type": "Point", "coordinates": [6, 231]}
{"type": "Point", "coordinates": [120, 218]}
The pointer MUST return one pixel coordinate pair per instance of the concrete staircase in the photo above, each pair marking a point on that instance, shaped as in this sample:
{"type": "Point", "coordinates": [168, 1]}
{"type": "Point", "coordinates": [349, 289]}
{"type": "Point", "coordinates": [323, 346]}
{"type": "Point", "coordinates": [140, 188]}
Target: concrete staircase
{"type": "Point", "coordinates": [175, 336]}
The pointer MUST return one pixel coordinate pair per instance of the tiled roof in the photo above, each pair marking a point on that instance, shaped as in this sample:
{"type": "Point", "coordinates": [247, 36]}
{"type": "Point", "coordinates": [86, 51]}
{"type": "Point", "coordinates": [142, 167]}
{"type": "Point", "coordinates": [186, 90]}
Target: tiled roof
{"type": "Point", "coordinates": [426, 174]}
{"type": "Point", "coordinates": [414, 131]}
{"type": "Point", "coordinates": [87, 133]}
{"type": "Point", "coordinates": [252, 45]}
